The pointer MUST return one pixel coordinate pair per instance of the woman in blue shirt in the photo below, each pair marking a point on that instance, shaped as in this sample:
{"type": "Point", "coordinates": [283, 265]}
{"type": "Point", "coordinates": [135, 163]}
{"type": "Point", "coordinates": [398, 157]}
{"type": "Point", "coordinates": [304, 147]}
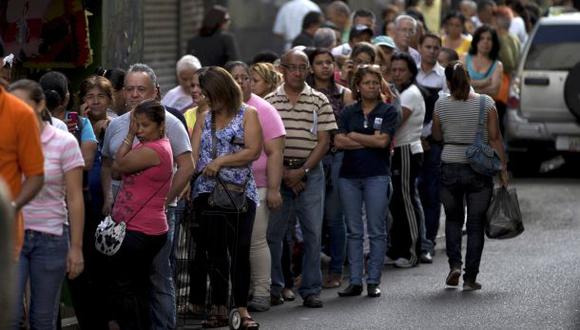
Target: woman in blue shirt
{"type": "Point", "coordinates": [365, 131]}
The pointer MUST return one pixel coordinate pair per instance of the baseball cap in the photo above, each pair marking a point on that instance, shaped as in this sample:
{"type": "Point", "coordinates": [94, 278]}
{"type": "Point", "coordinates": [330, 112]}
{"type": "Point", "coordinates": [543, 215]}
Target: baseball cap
{"type": "Point", "coordinates": [384, 41]}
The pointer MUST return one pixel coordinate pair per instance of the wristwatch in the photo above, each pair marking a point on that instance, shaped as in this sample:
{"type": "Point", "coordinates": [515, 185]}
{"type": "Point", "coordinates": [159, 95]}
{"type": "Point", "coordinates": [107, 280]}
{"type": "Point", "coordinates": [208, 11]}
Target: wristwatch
{"type": "Point", "coordinates": [306, 170]}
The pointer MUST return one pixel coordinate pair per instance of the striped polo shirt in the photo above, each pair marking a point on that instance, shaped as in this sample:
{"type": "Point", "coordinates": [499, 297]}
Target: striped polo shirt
{"type": "Point", "coordinates": [47, 212]}
{"type": "Point", "coordinates": [459, 121]}
{"type": "Point", "coordinates": [311, 113]}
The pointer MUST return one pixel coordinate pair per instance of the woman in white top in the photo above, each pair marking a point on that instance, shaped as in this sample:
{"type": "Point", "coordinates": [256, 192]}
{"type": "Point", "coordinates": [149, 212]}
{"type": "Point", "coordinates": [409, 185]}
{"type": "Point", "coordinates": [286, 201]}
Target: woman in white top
{"type": "Point", "coordinates": [405, 247]}
{"type": "Point", "coordinates": [48, 253]}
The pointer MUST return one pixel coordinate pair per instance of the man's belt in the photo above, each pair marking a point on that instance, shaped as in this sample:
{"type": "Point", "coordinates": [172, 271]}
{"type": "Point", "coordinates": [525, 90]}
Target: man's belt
{"type": "Point", "coordinates": [294, 163]}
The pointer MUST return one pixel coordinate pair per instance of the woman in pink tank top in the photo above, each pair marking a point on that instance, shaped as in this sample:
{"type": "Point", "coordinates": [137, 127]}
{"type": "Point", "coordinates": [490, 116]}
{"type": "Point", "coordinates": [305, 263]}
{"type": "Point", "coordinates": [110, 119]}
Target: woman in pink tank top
{"type": "Point", "coordinates": [147, 170]}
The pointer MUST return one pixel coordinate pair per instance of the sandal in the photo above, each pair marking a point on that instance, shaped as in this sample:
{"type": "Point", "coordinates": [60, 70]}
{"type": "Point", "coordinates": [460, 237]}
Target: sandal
{"type": "Point", "coordinates": [249, 323]}
{"type": "Point", "coordinates": [217, 318]}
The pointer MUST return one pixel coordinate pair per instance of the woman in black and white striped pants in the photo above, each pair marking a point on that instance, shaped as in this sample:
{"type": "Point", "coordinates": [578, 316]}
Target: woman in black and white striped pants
{"type": "Point", "coordinates": [406, 210]}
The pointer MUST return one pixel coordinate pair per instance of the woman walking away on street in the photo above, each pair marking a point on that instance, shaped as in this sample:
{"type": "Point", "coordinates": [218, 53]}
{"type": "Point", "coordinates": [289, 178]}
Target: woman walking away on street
{"type": "Point", "coordinates": [226, 140]}
{"type": "Point", "coordinates": [49, 250]}
{"type": "Point", "coordinates": [455, 122]}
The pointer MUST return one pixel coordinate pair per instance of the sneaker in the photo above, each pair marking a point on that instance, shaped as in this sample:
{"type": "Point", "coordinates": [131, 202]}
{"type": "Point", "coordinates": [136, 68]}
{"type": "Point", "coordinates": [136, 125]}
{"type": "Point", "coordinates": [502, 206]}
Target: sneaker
{"type": "Point", "coordinates": [312, 301]}
{"type": "Point", "coordinates": [453, 277]}
{"type": "Point", "coordinates": [388, 261]}
{"type": "Point", "coordinates": [471, 286]}
{"type": "Point", "coordinates": [403, 263]}
{"type": "Point", "coordinates": [426, 258]}
{"type": "Point", "coordinates": [259, 304]}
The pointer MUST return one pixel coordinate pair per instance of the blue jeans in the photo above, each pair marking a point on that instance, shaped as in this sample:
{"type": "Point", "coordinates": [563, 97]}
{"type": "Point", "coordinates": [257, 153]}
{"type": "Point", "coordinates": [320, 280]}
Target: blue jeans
{"type": "Point", "coordinates": [163, 309]}
{"type": "Point", "coordinates": [458, 183]}
{"type": "Point", "coordinates": [429, 187]}
{"type": "Point", "coordinates": [374, 193]}
{"type": "Point", "coordinates": [43, 261]}
{"type": "Point", "coordinates": [333, 214]}
{"type": "Point", "coordinates": [308, 208]}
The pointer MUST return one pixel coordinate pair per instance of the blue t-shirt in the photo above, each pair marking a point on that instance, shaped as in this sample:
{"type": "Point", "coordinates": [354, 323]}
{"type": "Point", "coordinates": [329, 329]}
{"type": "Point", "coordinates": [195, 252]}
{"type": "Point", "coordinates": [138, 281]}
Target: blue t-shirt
{"type": "Point", "coordinates": [87, 132]}
{"type": "Point", "coordinates": [368, 162]}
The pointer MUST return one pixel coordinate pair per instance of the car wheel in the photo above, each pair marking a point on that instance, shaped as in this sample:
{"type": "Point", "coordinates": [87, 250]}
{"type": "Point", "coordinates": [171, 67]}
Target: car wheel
{"type": "Point", "coordinates": [523, 164]}
{"type": "Point", "coordinates": [572, 92]}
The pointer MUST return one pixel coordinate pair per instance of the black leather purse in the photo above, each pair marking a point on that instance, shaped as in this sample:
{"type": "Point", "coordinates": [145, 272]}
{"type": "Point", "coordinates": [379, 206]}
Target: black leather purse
{"type": "Point", "coordinates": [226, 195]}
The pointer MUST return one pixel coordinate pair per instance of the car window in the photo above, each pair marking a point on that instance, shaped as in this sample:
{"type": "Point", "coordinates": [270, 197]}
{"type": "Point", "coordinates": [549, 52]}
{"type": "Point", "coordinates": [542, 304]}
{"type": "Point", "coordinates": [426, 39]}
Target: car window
{"type": "Point", "coordinates": [554, 47]}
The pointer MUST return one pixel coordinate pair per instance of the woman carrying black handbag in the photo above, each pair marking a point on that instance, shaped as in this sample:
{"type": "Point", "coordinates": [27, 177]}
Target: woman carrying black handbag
{"type": "Point", "coordinates": [225, 141]}
{"type": "Point", "coordinates": [455, 122]}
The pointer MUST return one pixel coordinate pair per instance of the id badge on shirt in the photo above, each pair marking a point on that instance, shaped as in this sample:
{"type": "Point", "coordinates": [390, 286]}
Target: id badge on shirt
{"type": "Point", "coordinates": [378, 123]}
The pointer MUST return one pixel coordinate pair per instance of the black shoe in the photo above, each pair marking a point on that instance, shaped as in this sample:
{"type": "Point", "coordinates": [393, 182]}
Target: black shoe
{"type": "Point", "coordinates": [471, 285]}
{"type": "Point", "coordinates": [276, 300]}
{"type": "Point", "coordinates": [453, 277]}
{"type": "Point", "coordinates": [312, 301]}
{"type": "Point", "coordinates": [351, 291]}
{"type": "Point", "coordinates": [373, 290]}
{"type": "Point", "coordinates": [426, 258]}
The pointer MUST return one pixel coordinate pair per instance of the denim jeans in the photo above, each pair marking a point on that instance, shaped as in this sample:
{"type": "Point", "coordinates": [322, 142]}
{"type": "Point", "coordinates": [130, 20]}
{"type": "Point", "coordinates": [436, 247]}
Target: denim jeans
{"type": "Point", "coordinates": [374, 193]}
{"type": "Point", "coordinates": [458, 183]}
{"type": "Point", "coordinates": [163, 309]}
{"type": "Point", "coordinates": [43, 262]}
{"type": "Point", "coordinates": [333, 214]}
{"type": "Point", "coordinates": [429, 187]}
{"type": "Point", "coordinates": [308, 208]}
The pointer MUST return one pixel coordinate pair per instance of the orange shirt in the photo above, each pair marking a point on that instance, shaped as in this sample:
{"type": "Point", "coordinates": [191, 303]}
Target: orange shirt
{"type": "Point", "coordinates": [20, 150]}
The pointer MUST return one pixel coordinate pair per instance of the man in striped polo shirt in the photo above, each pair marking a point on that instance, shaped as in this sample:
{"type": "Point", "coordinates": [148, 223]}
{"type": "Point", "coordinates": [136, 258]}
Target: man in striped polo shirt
{"type": "Point", "coordinates": [308, 118]}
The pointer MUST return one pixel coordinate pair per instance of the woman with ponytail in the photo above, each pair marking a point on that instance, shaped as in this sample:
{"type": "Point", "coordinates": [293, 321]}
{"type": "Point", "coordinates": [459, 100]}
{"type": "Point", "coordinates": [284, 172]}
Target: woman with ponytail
{"type": "Point", "coordinates": [49, 251]}
{"type": "Point", "coordinates": [455, 122]}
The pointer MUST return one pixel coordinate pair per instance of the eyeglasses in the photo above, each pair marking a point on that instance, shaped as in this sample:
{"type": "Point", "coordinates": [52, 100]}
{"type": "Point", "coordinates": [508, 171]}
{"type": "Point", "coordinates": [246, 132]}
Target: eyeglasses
{"type": "Point", "coordinates": [294, 68]}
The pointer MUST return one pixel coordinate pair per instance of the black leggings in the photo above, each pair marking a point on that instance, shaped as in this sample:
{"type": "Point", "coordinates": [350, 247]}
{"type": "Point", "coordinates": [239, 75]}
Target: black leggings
{"type": "Point", "coordinates": [217, 235]}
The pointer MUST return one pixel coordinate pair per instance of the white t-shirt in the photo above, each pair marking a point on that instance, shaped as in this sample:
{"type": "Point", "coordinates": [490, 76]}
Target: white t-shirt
{"type": "Point", "coordinates": [518, 29]}
{"type": "Point", "coordinates": [289, 19]}
{"type": "Point", "coordinates": [176, 98]}
{"type": "Point", "coordinates": [410, 131]}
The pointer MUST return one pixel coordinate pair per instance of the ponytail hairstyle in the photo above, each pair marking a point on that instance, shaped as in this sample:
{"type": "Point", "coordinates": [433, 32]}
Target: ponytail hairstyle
{"type": "Point", "coordinates": [35, 93]}
{"type": "Point", "coordinates": [458, 80]}
{"type": "Point", "coordinates": [55, 87]}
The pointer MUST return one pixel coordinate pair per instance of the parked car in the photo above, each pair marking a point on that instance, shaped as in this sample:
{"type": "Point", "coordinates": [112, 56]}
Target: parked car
{"type": "Point", "coordinates": [543, 111]}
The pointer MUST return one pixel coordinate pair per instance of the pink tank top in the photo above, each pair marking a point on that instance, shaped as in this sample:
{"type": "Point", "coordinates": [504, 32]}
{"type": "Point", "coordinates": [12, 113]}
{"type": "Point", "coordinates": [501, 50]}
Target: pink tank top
{"type": "Point", "coordinates": [141, 200]}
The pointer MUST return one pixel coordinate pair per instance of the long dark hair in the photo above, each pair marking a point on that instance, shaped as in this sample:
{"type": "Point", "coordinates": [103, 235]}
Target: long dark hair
{"type": "Point", "coordinates": [55, 87]}
{"type": "Point", "coordinates": [220, 88]}
{"type": "Point", "coordinates": [494, 53]}
{"type": "Point", "coordinates": [458, 79]}
{"type": "Point", "coordinates": [213, 20]}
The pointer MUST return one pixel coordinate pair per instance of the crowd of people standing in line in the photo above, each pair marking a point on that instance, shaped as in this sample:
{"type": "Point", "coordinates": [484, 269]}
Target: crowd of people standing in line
{"type": "Point", "coordinates": [345, 151]}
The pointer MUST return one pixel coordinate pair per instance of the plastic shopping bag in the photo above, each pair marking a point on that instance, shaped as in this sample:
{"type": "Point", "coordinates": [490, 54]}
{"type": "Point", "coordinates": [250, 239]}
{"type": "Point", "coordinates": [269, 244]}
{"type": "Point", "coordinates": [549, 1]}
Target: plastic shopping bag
{"type": "Point", "coordinates": [504, 218]}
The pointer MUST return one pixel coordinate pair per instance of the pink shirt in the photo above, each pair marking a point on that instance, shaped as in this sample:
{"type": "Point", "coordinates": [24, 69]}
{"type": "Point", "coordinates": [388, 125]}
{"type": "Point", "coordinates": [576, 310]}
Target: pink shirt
{"type": "Point", "coordinates": [272, 127]}
{"type": "Point", "coordinates": [47, 212]}
{"type": "Point", "coordinates": [135, 204]}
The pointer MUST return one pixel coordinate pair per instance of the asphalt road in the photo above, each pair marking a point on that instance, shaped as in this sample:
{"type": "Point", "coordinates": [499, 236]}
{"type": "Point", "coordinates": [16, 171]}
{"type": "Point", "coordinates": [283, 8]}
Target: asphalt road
{"type": "Point", "coordinates": [529, 282]}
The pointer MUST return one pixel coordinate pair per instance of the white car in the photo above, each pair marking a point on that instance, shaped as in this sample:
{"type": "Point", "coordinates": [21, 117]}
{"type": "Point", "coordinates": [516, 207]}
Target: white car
{"type": "Point", "coordinates": [543, 111]}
